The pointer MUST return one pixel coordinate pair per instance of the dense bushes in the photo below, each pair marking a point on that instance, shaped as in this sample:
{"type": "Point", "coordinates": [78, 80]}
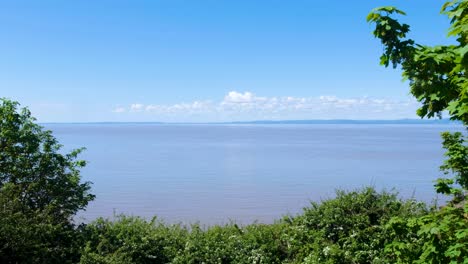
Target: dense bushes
{"type": "Point", "coordinates": [132, 240]}
{"type": "Point", "coordinates": [362, 226]}
{"type": "Point", "coordinates": [36, 238]}
{"type": "Point", "coordinates": [135, 240]}
{"type": "Point", "coordinates": [350, 228]}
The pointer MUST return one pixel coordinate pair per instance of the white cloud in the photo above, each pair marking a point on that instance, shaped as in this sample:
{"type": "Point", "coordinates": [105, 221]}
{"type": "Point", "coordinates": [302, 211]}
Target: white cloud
{"type": "Point", "coordinates": [236, 97]}
{"type": "Point", "coordinates": [136, 107]}
{"type": "Point", "coordinates": [248, 106]}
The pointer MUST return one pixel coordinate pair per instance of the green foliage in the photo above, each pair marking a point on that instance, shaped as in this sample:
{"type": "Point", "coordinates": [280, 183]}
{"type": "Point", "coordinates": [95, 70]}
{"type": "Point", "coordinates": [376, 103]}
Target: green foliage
{"type": "Point", "coordinates": [445, 236]}
{"type": "Point", "coordinates": [441, 236]}
{"type": "Point", "coordinates": [350, 228]}
{"type": "Point", "coordinates": [437, 79]}
{"type": "Point", "coordinates": [347, 229]}
{"type": "Point", "coordinates": [32, 170]}
{"type": "Point", "coordinates": [390, 31]}
{"type": "Point", "coordinates": [256, 243]}
{"type": "Point", "coordinates": [40, 191]}
{"type": "Point", "coordinates": [132, 240]}
{"type": "Point", "coordinates": [438, 237]}
{"type": "Point", "coordinates": [437, 75]}
{"type": "Point", "coordinates": [456, 165]}
{"type": "Point", "coordinates": [35, 238]}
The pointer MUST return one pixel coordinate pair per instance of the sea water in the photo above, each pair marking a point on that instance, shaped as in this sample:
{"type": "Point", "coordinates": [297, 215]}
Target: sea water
{"type": "Point", "coordinates": [244, 173]}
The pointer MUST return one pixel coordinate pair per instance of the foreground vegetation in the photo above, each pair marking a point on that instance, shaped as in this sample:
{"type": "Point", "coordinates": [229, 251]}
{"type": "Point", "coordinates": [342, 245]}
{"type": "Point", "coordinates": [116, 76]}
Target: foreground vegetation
{"type": "Point", "coordinates": [41, 191]}
{"type": "Point", "coordinates": [347, 229]}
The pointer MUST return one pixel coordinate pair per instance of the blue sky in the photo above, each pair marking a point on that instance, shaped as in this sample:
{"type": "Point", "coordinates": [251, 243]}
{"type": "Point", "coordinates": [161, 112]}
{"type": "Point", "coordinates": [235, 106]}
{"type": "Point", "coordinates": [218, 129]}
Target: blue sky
{"type": "Point", "coordinates": [207, 60]}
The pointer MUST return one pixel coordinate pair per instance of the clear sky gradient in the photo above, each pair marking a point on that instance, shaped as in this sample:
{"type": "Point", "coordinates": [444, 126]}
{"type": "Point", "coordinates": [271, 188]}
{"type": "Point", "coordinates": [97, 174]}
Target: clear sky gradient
{"type": "Point", "coordinates": [207, 60]}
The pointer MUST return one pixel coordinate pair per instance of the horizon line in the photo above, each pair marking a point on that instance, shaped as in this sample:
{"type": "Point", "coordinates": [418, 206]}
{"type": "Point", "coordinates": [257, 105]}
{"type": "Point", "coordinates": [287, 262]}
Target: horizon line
{"type": "Point", "coordinates": [292, 121]}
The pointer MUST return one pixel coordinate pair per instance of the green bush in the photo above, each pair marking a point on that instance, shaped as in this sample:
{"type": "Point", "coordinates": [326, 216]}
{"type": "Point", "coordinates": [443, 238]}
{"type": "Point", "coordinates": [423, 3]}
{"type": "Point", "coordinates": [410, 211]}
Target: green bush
{"type": "Point", "coordinates": [256, 243]}
{"type": "Point", "coordinates": [347, 229]}
{"type": "Point", "coordinates": [36, 237]}
{"type": "Point", "coordinates": [132, 240]}
{"type": "Point", "coordinates": [350, 227]}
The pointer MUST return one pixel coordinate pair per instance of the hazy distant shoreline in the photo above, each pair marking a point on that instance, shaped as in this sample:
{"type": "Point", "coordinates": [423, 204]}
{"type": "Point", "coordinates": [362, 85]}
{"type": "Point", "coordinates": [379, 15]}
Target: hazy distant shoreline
{"type": "Point", "coordinates": [286, 122]}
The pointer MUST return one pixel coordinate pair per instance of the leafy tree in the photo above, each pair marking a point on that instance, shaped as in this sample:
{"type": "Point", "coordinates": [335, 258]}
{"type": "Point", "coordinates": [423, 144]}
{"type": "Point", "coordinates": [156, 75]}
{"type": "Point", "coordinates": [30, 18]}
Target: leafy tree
{"type": "Point", "coordinates": [437, 78]}
{"type": "Point", "coordinates": [40, 191]}
{"type": "Point", "coordinates": [436, 75]}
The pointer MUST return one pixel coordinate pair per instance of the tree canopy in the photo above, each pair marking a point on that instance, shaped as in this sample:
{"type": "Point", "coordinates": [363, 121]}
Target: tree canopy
{"type": "Point", "coordinates": [40, 190]}
{"type": "Point", "coordinates": [32, 169]}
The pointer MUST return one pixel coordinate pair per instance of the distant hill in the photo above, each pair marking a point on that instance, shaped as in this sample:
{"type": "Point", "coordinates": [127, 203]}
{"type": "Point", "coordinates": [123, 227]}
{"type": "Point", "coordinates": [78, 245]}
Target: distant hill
{"type": "Point", "coordinates": [348, 121]}
{"type": "Point", "coordinates": [284, 122]}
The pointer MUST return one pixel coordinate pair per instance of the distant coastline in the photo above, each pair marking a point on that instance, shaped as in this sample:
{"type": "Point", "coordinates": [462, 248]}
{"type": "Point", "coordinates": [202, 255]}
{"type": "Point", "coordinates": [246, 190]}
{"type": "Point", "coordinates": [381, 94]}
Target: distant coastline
{"type": "Point", "coordinates": [287, 122]}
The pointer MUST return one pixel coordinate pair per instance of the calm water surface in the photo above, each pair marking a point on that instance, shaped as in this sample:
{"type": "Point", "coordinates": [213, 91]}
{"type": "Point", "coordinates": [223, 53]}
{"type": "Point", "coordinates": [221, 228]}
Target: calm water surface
{"type": "Point", "coordinates": [217, 173]}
